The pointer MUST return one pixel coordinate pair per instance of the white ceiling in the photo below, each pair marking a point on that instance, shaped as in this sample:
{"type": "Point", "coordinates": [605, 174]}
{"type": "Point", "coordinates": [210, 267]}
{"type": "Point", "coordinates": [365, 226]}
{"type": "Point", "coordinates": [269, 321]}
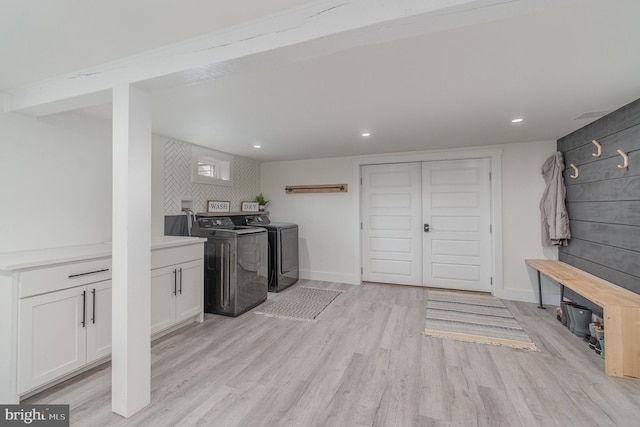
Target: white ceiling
{"type": "Point", "coordinates": [41, 39]}
{"type": "Point", "coordinates": [452, 88]}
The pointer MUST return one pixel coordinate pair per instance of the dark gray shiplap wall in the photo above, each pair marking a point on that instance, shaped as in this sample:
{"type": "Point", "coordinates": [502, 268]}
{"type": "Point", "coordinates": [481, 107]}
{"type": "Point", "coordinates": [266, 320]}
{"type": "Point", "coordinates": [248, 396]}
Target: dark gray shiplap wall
{"type": "Point", "coordinates": [604, 201]}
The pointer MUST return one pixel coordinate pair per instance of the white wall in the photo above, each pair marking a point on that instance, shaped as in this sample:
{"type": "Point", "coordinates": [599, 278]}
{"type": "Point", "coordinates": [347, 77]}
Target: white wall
{"type": "Point", "coordinates": [522, 188]}
{"type": "Point", "coordinates": [55, 181]}
{"type": "Point", "coordinates": [326, 220]}
{"type": "Point", "coordinates": [56, 191]}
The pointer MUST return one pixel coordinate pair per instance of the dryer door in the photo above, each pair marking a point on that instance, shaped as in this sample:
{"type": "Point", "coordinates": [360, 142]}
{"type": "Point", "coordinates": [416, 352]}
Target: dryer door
{"type": "Point", "coordinates": [288, 250]}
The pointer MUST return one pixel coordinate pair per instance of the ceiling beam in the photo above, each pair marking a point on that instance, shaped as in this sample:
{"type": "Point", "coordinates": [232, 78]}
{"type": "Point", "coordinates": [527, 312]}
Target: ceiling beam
{"type": "Point", "coordinates": [332, 25]}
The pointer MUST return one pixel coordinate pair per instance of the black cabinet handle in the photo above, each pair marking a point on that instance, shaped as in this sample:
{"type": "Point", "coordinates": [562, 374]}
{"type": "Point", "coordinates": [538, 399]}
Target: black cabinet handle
{"type": "Point", "coordinates": [84, 309]}
{"type": "Point", "coordinates": [93, 318]}
{"type": "Point", "coordinates": [90, 272]}
{"type": "Point", "coordinates": [175, 281]}
{"type": "Point", "coordinates": [181, 281]}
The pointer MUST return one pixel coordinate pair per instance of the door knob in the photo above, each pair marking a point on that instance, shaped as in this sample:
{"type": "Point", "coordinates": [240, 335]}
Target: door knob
{"type": "Point", "coordinates": [426, 228]}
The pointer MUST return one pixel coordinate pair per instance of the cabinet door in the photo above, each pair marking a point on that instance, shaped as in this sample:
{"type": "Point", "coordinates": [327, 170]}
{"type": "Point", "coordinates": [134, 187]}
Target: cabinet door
{"type": "Point", "coordinates": [190, 290]}
{"type": "Point", "coordinates": [51, 337]}
{"type": "Point", "coordinates": [98, 320]}
{"type": "Point", "coordinates": [163, 298]}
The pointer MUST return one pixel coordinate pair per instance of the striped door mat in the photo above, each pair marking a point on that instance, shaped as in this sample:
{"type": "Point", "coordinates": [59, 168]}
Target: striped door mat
{"type": "Point", "coordinates": [467, 316]}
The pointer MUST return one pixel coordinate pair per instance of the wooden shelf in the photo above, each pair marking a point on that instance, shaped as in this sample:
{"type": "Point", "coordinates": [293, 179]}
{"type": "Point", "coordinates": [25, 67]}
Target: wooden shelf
{"type": "Point", "coordinates": [231, 213]}
{"type": "Point", "coordinates": [316, 188]}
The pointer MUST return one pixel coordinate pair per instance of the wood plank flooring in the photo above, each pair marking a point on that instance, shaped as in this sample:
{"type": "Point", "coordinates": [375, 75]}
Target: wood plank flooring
{"type": "Point", "coordinates": [364, 362]}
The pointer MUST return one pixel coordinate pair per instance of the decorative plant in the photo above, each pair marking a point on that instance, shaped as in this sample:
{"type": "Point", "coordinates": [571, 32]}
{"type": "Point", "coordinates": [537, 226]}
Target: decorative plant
{"type": "Point", "coordinates": [260, 199]}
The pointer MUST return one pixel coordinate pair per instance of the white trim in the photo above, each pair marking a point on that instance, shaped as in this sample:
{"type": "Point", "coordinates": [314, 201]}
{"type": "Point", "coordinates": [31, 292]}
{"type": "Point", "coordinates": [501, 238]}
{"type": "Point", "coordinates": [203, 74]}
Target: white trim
{"type": "Point", "coordinates": [222, 160]}
{"type": "Point", "coordinates": [324, 276]}
{"type": "Point", "coordinates": [548, 298]}
{"type": "Point", "coordinates": [494, 154]}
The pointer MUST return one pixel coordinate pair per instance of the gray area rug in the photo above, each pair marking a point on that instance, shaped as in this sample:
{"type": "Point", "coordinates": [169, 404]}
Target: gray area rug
{"type": "Point", "coordinates": [480, 318]}
{"type": "Point", "coordinates": [301, 303]}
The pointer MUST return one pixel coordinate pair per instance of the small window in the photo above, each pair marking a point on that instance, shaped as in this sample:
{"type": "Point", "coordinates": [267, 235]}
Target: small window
{"type": "Point", "coordinates": [205, 169]}
{"type": "Point", "coordinates": [210, 167]}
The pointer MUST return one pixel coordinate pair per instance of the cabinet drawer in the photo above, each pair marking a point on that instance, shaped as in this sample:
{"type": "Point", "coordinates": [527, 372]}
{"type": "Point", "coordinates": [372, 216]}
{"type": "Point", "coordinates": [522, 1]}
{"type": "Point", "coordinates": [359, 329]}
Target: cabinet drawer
{"type": "Point", "coordinates": [49, 279]}
{"type": "Point", "coordinates": [176, 255]}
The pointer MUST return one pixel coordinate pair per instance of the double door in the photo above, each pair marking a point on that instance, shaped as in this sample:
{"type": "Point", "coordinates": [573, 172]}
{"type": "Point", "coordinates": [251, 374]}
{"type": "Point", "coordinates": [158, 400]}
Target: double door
{"type": "Point", "coordinates": [428, 224]}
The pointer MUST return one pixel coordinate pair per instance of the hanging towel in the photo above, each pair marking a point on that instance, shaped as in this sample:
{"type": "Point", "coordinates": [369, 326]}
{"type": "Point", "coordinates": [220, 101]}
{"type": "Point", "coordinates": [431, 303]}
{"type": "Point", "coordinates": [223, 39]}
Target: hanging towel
{"type": "Point", "coordinates": [555, 220]}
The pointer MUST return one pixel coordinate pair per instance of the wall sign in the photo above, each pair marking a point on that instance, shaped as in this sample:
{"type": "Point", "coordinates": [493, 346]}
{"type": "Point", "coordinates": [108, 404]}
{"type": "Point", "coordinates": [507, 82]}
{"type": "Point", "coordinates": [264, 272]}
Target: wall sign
{"type": "Point", "coordinates": [218, 206]}
{"type": "Point", "coordinates": [250, 207]}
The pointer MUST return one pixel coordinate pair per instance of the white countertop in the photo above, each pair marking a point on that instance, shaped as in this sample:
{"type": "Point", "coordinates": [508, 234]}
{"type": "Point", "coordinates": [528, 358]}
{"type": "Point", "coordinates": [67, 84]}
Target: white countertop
{"type": "Point", "coordinates": [29, 259]}
{"type": "Point", "coordinates": [171, 241]}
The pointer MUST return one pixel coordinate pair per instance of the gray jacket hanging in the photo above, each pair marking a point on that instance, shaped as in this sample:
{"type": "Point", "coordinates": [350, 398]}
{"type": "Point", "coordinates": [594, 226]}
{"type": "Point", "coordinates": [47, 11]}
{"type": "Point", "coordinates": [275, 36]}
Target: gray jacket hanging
{"type": "Point", "coordinates": [555, 219]}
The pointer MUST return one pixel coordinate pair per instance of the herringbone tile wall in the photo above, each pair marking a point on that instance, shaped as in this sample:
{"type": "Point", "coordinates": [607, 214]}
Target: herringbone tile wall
{"type": "Point", "coordinates": [245, 175]}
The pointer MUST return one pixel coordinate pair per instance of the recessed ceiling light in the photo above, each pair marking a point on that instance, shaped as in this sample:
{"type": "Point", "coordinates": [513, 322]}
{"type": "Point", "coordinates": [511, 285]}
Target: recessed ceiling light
{"type": "Point", "coordinates": [518, 120]}
{"type": "Point", "coordinates": [257, 146]}
{"type": "Point", "coordinates": [366, 134]}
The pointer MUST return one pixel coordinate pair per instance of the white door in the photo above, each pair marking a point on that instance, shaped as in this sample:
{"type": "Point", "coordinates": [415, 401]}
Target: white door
{"type": "Point", "coordinates": [52, 336]}
{"type": "Point", "coordinates": [190, 290]}
{"type": "Point", "coordinates": [391, 223]}
{"type": "Point", "coordinates": [98, 320]}
{"type": "Point", "coordinates": [456, 206]}
{"type": "Point", "coordinates": [163, 298]}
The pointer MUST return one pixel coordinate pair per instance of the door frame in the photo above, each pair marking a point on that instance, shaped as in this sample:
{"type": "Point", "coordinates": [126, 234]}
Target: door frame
{"type": "Point", "coordinates": [493, 154]}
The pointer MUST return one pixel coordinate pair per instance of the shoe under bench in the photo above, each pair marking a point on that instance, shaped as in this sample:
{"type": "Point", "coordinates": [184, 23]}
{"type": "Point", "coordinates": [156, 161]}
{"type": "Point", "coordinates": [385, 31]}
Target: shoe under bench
{"type": "Point", "coordinates": [621, 309]}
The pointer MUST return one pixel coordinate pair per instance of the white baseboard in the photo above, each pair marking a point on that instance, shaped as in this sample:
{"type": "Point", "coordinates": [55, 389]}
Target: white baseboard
{"type": "Point", "coordinates": [329, 277]}
{"type": "Point", "coordinates": [528, 296]}
{"type": "Point", "coordinates": [548, 298]}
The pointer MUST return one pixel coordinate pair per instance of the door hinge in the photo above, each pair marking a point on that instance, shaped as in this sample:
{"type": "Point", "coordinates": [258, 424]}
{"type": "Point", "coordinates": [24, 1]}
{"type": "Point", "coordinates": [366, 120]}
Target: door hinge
{"type": "Point", "coordinates": [491, 280]}
{"type": "Point", "coordinates": [360, 180]}
{"type": "Point", "coordinates": [361, 270]}
{"type": "Point", "coordinates": [361, 227]}
{"type": "Point", "coordinates": [490, 228]}
{"type": "Point", "coordinates": [489, 176]}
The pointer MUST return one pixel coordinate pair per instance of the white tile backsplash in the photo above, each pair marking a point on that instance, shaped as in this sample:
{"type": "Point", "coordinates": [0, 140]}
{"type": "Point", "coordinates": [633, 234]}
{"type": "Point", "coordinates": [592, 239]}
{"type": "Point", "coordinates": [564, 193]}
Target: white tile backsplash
{"type": "Point", "coordinates": [245, 175]}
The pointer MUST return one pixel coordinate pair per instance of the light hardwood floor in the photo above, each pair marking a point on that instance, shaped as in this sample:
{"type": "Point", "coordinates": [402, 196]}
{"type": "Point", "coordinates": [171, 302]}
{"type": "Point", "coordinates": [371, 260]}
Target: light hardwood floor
{"type": "Point", "coordinates": [364, 362]}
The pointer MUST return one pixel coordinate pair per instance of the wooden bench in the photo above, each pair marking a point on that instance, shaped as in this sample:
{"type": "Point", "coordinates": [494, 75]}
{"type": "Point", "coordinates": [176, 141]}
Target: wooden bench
{"type": "Point", "coordinates": [621, 309]}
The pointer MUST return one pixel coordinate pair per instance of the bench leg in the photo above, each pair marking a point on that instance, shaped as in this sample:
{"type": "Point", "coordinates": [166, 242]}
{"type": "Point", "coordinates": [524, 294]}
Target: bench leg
{"type": "Point", "coordinates": [561, 292]}
{"type": "Point", "coordinates": [540, 291]}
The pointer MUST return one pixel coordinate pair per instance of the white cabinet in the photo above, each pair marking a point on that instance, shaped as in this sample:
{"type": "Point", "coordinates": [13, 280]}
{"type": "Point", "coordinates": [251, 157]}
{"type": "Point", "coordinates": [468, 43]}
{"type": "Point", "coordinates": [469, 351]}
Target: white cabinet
{"type": "Point", "coordinates": [176, 292]}
{"type": "Point", "coordinates": [62, 331]}
{"type": "Point", "coordinates": [55, 308]}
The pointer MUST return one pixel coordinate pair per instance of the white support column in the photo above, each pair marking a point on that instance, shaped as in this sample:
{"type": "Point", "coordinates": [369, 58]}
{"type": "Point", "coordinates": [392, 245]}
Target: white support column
{"type": "Point", "coordinates": [131, 357]}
